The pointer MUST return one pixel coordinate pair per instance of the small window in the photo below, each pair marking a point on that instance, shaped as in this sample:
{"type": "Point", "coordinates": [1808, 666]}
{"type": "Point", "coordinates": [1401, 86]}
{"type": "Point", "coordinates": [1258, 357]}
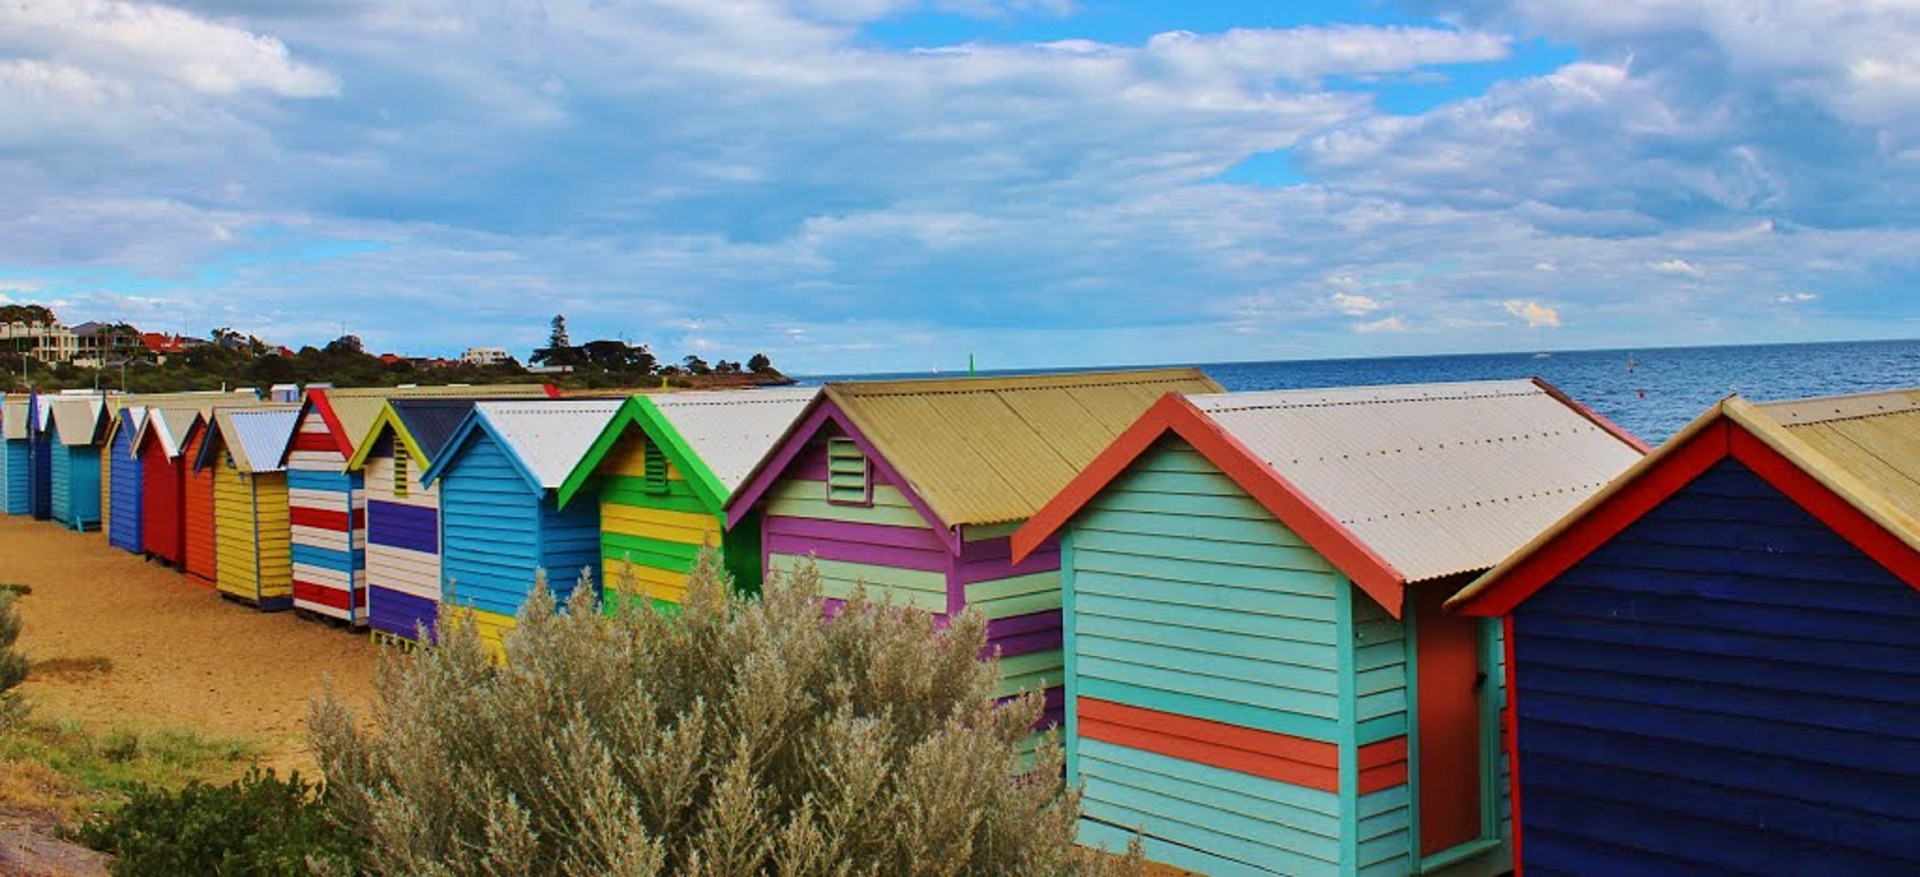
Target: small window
{"type": "Point", "coordinates": [400, 474]}
{"type": "Point", "coordinates": [849, 475]}
{"type": "Point", "coordinates": [656, 466]}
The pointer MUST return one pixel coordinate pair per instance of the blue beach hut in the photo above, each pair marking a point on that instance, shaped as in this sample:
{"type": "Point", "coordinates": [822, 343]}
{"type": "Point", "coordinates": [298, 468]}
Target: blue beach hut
{"type": "Point", "coordinates": [40, 470]}
{"type": "Point", "coordinates": [500, 523]}
{"type": "Point", "coordinates": [1714, 663]}
{"type": "Point", "coordinates": [124, 476]}
{"type": "Point", "coordinates": [75, 428]}
{"type": "Point", "coordinates": [16, 457]}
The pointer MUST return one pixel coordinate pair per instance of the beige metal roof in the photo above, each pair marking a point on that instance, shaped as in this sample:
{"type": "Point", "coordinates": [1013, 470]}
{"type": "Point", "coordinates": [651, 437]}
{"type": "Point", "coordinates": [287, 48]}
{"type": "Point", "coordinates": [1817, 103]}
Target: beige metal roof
{"type": "Point", "coordinates": [168, 424]}
{"type": "Point", "coordinates": [1436, 479]}
{"type": "Point", "coordinates": [992, 450]}
{"type": "Point", "coordinates": [79, 420]}
{"type": "Point", "coordinates": [730, 430]}
{"type": "Point", "coordinates": [548, 436]}
{"type": "Point", "coordinates": [1875, 437]}
{"type": "Point", "coordinates": [13, 416]}
{"type": "Point", "coordinates": [357, 407]}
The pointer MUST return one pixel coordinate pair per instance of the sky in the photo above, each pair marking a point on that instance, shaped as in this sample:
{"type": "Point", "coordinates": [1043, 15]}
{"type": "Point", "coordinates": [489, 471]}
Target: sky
{"type": "Point", "coordinates": [881, 185]}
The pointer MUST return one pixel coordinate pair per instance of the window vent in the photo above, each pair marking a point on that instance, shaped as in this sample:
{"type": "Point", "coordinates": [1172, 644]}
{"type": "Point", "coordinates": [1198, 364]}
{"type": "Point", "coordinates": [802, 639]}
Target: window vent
{"type": "Point", "coordinates": [849, 475]}
{"type": "Point", "coordinates": [400, 473]}
{"type": "Point", "coordinates": [656, 466]}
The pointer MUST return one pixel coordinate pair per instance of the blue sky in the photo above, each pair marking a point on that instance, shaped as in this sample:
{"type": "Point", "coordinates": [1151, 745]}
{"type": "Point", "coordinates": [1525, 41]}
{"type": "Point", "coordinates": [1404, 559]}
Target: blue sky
{"type": "Point", "coordinates": [853, 185]}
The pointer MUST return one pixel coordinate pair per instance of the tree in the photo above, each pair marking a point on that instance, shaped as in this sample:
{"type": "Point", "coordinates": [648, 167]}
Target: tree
{"type": "Point", "coordinates": [759, 364]}
{"type": "Point", "coordinates": [559, 349]}
{"type": "Point", "coordinates": [346, 344]}
{"type": "Point", "coordinates": [558, 337]}
{"type": "Point", "coordinates": [736, 735]}
{"type": "Point", "coordinates": [694, 365]}
{"type": "Point", "coordinates": [13, 665]}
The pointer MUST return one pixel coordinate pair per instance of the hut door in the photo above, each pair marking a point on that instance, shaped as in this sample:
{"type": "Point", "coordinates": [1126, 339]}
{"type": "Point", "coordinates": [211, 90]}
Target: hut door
{"type": "Point", "coordinates": [1450, 749]}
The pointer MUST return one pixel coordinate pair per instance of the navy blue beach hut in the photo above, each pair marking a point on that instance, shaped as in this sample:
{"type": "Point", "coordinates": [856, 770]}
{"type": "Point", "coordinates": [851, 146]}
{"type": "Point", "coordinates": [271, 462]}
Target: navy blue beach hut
{"type": "Point", "coordinates": [125, 477]}
{"type": "Point", "coordinates": [40, 445]}
{"type": "Point", "coordinates": [1714, 663]}
{"type": "Point", "coordinates": [16, 458]}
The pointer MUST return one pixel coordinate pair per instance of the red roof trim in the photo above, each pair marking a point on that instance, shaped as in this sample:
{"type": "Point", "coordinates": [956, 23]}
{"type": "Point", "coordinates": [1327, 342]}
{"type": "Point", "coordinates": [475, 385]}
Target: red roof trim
{"type": "Point", "coordinates": [1175, 414]}
{"type": "Point", "coordinates": [1722, 439]}
{"type": "Point", "coordinates": [1648, 489]}
{"type": "Point", "coordinates": [1598, 419]}
{"type": "Point", "coordinates": [1836, 512]}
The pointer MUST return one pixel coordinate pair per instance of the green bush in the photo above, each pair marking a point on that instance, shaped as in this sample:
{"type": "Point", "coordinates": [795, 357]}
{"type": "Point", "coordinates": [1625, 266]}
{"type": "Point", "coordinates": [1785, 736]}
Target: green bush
{"type": "Point", "coordinates": [739, 736]}
{"type": "Point", "coordinates": [13, 665]}
{"type": "Point", "coordinates": [259, 824]}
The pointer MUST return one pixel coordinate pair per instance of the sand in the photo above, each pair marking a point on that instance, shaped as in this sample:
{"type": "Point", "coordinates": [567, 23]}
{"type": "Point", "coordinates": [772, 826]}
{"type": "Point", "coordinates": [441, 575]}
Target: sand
{"type": "Point", "coordinates": [121, 642]}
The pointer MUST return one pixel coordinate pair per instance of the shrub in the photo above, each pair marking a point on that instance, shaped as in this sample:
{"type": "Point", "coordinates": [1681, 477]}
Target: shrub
{"type": "Point", "coordinates": [738, 736]}
{"type": "Point", "coordinates": [259, 824]}
{"type": "Point", "coordinates": [13, 665]}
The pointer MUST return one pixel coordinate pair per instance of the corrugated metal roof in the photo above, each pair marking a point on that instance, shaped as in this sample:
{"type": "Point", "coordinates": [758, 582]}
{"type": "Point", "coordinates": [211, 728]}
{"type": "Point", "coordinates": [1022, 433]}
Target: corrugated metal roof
{"type": "Point", "coordinates": [548, 436]}
{"type": "Point", "coordinates": [1437, 479]}
{"type": "Point", "coordinates": [731, 430]}
{"type": "Point", "coordinates": [1875, 437]}
{"type": "Point", "coordinates": [14, 416]}
{"type": "Point", "coordinates": [431, 422]}
{"type": "Point", "coordinates": [992, 450]}
{"type": "Point", "coordinates": [79, 420]}
{"type": "Point", "coordinates": [257, 436]}
{"type": "Point", "coordinates": [357, 407]}
{"type": "Point", "coordinates": [168, 424]}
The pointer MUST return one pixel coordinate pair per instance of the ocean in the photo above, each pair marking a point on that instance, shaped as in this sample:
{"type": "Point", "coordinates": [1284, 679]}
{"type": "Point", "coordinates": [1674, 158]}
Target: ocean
{"type": "Point", "coordinates": [1653, 393]}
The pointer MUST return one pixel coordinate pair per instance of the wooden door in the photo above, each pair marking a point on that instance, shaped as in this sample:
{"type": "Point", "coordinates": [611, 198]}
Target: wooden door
{"type": "Point", "coordinates": [1447, 649]}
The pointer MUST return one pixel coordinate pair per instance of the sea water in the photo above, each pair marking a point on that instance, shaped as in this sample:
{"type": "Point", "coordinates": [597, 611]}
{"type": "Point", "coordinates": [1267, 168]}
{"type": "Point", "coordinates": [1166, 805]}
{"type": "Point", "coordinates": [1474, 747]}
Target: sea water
{"type": "Point", "coordinates": [1652, 393]}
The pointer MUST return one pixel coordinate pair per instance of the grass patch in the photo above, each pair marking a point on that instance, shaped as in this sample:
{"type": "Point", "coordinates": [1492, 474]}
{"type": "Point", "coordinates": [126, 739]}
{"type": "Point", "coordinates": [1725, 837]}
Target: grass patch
{"type": "Point", "coordinates": [17, 590]}
{"type": "Point", "coordinates": [72, 668]}
{"type": "Point", "coordinates": [80, 773]}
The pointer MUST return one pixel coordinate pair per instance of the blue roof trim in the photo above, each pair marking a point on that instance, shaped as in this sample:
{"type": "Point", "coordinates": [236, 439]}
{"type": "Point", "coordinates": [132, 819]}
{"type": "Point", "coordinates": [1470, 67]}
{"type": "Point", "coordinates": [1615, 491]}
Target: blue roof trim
{"type": "Point", "coordinates": [474, 423]}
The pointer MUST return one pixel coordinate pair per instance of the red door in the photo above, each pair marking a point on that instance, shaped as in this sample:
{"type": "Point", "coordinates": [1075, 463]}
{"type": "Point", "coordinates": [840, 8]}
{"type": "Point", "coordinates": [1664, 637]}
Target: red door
{"type": "Point", "coordinates": [161, 486]}
{"type": "Point", "coordinates": [1448, 656]}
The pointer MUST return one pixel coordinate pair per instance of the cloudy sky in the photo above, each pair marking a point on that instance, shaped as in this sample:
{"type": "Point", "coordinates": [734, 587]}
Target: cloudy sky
{"type": "Point", "coordinates": [854, 185]}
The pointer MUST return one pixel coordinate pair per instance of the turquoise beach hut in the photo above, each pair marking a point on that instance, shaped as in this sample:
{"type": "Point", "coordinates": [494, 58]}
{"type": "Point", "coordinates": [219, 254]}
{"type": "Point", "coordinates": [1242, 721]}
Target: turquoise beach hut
{"type": "Point", "coordinates": [76, 426]}
{"type": "Point", "coordinates": [16, 458]}
{"type": "Point", "coordinates": [500, 524]}
{"type": "Point", "coordinates": [1260, 678]}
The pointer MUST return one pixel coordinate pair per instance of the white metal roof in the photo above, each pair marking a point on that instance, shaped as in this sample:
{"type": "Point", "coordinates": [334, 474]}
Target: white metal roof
{"type": "Point", "coordinates": [1437, 479]}
{"type": "Point", "coordinates": [732, 429]}
{"type": "Point", "coordinates": [78, 419]}
{"type": "Point", "coordinates": [257, 437]}
{"type": "Point", "coordinates": [548, 436]}
{"type": "Point", "coordinates": [169, 425]}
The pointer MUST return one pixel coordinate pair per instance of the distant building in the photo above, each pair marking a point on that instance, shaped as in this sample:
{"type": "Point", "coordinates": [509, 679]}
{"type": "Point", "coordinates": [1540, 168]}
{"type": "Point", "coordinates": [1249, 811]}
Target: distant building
{"type": "Point", "coordinates": [96, 344]}
{"type": "Point", "coordinates": [47, 342]}
{"type": "Point", "coordinates": [485, 356]}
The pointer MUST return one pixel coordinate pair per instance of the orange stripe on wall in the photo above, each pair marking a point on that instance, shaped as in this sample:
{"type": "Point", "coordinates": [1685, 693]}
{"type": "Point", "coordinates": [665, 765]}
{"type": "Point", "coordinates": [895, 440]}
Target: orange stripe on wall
{"type": "Point", "coordinates": [1278, 757]}
{"type": "Point", "coordinates": [1383, 765]}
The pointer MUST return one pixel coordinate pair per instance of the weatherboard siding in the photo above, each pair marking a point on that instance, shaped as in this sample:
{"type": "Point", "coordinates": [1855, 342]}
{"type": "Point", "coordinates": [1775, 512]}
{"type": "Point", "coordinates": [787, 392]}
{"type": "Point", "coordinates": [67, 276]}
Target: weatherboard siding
{"type": "Point", "coordinates": [497, 534]}
{"type": "Point", "coordinates": [125, 523]}
{"type": "Point", "coordinates": [76, 484]}
{"type": "Point", "coordinates": [201, 559]}
{"type": "Point", "coordinates": [1206, 674]}
{"type": "Point", "coordinates": [1725, 685]}
{"type": "Point", "coordinates": [251, 536]}
{"type": "Point", "coordinates": [41, 472]}
{"type": "Point", "coordinates": [328, 526]}
{"type": "Point", "coordinates": [163, 486]}
{"type": "Point", "coordinates": [649, 539]}
{"type": "Point", "coordinates": [403, 545]}
{"type": "Point", "coordinates": [15, 458]}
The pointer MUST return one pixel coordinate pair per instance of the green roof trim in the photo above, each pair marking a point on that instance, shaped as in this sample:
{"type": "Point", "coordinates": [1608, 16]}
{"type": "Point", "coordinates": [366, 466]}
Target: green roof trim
{"type": "Point", "coordinates": [641, 413]}
{"type": "Point", "coordinates": [363, 445]}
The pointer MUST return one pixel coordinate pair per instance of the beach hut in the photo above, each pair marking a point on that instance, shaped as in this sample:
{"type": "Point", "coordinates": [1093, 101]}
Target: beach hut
{"type": "Point", "coordinates": [40, 447]}
{"type": "Point", "coordinates": [1260, 679]}
{"type": "Point", "coordinates": [252, 536]}
{"type": "Point", "coordinates": [499, 521]}
{"type": "Point", "coordinates": [1714, 664]}
{"type": "Point", "coordinates": [199, 549]}
{"type": "Point", "coordinates": [913, 487]}
{"type": "Point", "coordinates": [328, 506]}
{"type": "Point", "coordinates": [403, 514]}
{"type": "Point", "coordinates": [16, 457]}
{"type": "Point", "coordinates": [163, 480]}
{"type": "Point", "coordinates": [663, 469]}
{"type": "Point", "coordinates": [77, 425]}
{"type": "Point", "coordinates": [122, 472]}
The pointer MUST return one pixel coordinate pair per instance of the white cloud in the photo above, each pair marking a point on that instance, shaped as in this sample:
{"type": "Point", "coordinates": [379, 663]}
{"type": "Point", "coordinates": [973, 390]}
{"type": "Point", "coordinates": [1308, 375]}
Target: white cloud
{"type": "Point", "coordinates": [1793, 298]}
{"type": "Point", "coordinates": [137, 40]}
{"type": "Point", "coordinates": [1534, 313]}
{"type": "Point", "coordinates": [1354, 304]}
{"type": "Point", "coordinates": [1385, 324]}
{"type": "Point", "coordinates": [1676, 266]}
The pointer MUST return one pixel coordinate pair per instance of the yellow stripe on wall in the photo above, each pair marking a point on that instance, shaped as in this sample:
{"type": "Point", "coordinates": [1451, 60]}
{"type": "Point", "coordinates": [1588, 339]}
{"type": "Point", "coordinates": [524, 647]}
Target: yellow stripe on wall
{"type": "Point", "coordinates": [658, 584]}
{"type": "Point", "coordinates": [685, 528]}
{"type": "Point", "coordinates": [629, 457]}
